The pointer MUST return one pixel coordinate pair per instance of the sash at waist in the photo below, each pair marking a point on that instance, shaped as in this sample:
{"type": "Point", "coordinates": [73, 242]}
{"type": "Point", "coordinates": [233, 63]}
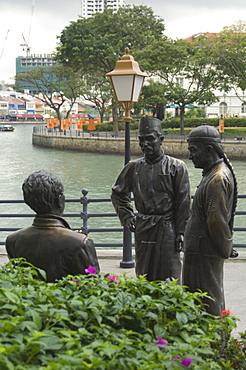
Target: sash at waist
{"type": "Point", "coordinates": [169, 216]}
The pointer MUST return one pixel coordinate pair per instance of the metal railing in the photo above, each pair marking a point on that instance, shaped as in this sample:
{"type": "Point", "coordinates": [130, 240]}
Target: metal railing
{"type": "Point", "coordinates": [112, 135]}
{"type": "Point", "coordinates": [73, 132]}
{"type": "Point", "coordinates": [85, 215]}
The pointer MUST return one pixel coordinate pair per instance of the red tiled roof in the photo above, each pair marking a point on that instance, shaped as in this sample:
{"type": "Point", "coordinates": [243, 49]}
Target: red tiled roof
{"type": "Point", "coordinates": [204, 34]}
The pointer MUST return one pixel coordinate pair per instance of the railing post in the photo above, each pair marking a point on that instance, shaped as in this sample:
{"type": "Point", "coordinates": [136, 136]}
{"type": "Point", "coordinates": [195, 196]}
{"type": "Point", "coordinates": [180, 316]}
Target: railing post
{"type": "Point", "coordinates": [84, 215]}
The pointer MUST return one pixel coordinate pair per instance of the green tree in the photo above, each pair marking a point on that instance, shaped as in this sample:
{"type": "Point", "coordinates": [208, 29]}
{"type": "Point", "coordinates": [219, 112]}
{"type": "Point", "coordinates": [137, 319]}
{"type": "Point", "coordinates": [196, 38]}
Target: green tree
{"type": "Point", "coordinates": [185, 69]}
{"type": "Point", "coordinates": [97, 89]}
{"type": "Point", "coordinates": [196, 112]}
{"type": "Point", "coordinates": [153, 98]}
{"type": "Point", "coordinates": [94, 45]}
{"type": "Point", "coordinates": [54, 81]}
{"type": "Point", "coordinates": [229, 56]}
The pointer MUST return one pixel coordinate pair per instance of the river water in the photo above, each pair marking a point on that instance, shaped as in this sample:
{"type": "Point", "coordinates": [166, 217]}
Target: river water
{"type": "Point", "coordinates": [96, 172]}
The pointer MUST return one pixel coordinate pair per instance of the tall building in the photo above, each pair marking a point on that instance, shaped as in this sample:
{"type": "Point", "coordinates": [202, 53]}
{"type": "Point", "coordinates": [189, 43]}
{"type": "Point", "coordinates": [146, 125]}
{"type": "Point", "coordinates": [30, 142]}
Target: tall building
{"type": "Point", "coordinates": [90, 7]}
{"type": "Point", "coordinates": [29, 62]}
{"type": "Point", "coordinates": [24, 64]}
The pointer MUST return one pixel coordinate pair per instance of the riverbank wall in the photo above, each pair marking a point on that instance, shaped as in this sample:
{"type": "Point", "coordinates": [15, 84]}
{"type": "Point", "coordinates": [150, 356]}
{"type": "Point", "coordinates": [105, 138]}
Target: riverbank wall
{"type": "Point", "coordinates": [178, 148]}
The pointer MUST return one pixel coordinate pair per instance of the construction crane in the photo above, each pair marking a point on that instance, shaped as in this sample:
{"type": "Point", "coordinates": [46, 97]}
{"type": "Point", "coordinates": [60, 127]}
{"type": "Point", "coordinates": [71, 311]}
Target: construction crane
{"type": "Point", "coordinates": [4, 45]}
{"type": "Point", "coordinates": [26, 45]}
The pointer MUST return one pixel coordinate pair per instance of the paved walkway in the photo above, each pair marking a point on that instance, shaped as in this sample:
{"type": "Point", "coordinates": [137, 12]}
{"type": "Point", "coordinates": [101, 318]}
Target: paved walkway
{"type": "Point", "coordinates": [234, 280]}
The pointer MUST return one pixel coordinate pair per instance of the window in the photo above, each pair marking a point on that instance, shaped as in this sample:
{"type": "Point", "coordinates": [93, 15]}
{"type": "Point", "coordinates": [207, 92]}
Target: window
{"type": "Point", "coordinates": [223, 109]}
{"type": "Point", "coordinates": [243, 108]}
{"type": "Point", "coordinates": [180, 81]}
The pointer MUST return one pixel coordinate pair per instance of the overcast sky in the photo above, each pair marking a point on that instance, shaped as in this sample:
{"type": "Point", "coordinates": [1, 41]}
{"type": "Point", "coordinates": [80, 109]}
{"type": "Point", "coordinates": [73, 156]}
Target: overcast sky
{"type": "Point", "coordinates": [41, 21]}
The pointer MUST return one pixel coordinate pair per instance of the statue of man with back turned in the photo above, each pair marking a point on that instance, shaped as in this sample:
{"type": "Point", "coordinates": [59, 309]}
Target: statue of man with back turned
{"type": "Point", "coordinates": [49, 243]}
{"type": "Point", "coordinates": [160, 186]}
{"type": "Point", "coordinates": [208, 234]}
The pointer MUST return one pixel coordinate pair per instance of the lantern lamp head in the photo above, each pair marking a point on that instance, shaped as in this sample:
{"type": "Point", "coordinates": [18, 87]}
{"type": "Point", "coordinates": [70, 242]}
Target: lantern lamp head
{"type": "Point", "coordinates": [127, 79]}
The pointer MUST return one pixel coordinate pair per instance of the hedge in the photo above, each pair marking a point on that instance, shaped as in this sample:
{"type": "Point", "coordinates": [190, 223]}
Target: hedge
{"type": "Point", "coordinates": [194, 122]}
{"type": "Point", "coordinates": [104, 321]}
{"type": "Point", "coordinates": [173, 123]}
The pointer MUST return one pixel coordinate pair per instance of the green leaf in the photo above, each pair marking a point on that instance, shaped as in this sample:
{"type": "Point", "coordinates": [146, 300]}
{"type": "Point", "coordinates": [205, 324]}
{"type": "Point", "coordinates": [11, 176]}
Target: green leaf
{"type": "Point", "coordinates": [182, 318]}
{"type": "Point", "coordinates": [112, 319]}
{"type": "Point", "coordinates": [36, 319]}
{"type": "Point", "coordinates": [51, 343]}
{"type": "Point", "coordinates": [11, 296]}
{"type": "Point", "coordinates": [29, 325]}
{"type": "Point", "coordinates": [42, 273]}
{"type": "Point", "coordinates": [123, 300]}
{"type": "Point", "coordinates": [151, 316]}
{"type": "Point", "coordinates": [109, 351]}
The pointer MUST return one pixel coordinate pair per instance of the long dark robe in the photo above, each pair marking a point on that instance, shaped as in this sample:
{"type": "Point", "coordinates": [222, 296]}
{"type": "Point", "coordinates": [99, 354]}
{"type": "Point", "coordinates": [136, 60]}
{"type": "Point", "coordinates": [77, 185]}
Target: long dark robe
{"type": "Point", "coordinates": [208, 236]}
{"type": "Point", "coordinates": [162, 198]}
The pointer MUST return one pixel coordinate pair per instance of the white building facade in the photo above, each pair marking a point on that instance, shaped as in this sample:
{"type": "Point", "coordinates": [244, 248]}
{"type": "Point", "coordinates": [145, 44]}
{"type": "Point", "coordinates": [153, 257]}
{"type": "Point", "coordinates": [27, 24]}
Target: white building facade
{"type": "Point", "coordinates": [229, 104]}
{"type": "Point", "coordinates": [90, 7]}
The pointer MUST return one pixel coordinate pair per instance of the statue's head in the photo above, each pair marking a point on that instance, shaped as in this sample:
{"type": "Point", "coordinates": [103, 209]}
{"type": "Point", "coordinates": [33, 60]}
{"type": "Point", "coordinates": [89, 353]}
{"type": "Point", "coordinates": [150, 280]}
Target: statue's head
{"type": "Point", "coordinates": [205, 134]}
{"type": "Point", "coordinates": [43, 192]}
{"type": "Point", "coordinates": [150, 137]}
{"type": "Point", "coordinates": [149, 124]}
{"type": "Point", "coordinates": [204, 145]}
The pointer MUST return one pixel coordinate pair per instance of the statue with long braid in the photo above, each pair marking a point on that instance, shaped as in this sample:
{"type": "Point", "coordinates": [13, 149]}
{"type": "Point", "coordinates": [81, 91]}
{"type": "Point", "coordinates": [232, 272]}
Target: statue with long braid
{"type": "Point", "coordinates": [208, 233]}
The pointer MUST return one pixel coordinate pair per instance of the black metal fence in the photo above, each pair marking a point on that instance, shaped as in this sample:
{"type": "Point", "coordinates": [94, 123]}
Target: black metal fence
{"type": "Point", "coordinates": [73, 132]}
{"type": "Point", "coordinates": [85, 216]}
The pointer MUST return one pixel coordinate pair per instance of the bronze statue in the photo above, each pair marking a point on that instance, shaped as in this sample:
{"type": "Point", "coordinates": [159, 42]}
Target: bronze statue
{"type": "Point", "coordinates": [49, 244]}
{"type": "Point", "coordinates": [160, 186]}
{"type": "Point", "coordinates": [208, 234]}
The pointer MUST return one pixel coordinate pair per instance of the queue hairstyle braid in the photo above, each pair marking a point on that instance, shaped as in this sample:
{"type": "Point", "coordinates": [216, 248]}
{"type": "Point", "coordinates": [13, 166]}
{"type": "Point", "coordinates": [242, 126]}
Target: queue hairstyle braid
{"type": "Point", "coordinates": [219, 149]}
{"type": "Point", "coordinates": [234, 205]}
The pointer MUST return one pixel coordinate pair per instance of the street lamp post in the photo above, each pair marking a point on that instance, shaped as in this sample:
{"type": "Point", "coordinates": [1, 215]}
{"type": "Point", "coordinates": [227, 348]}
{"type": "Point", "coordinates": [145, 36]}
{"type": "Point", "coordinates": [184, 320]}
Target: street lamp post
{"type": "Point", "coordinates": [127, 80]}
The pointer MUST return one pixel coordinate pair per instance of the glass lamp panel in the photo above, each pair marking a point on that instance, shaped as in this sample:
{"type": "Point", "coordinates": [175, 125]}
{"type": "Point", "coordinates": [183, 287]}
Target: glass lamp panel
{"type": "Point", "coordinates": [138, 82]}
{"type": "Point", "coordinates": [123, 87]}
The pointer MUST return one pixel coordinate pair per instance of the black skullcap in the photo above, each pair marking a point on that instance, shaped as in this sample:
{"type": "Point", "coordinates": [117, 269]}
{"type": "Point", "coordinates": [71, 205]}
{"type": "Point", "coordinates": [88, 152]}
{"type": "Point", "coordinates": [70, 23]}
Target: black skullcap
{"type": "Point", "coordinates": [204, 133]}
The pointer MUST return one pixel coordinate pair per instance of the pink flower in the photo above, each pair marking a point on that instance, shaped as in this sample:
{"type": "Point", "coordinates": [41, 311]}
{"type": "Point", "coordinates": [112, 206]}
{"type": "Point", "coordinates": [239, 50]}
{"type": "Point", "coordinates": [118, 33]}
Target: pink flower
{"type": "Point", "coordinates": [91, 270]}
{"type": "Point", "coordinates": [161, 341]}
{"type": "Point", "coordinates": [186, 362]}
{"type": "Point", "coordinates": [112, 278]}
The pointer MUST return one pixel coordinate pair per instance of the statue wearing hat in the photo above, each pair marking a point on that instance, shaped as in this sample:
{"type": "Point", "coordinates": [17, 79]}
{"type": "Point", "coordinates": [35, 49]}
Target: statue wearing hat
{"type": "Point", "coordinates": [160, 187]}
{"type": "Point", "coordinates": [208, 234]}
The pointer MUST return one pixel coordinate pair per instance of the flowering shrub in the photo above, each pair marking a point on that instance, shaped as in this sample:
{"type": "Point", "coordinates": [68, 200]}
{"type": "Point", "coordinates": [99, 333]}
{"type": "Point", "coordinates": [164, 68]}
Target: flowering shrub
{"type": "Point", "coordinates": [109, 322]}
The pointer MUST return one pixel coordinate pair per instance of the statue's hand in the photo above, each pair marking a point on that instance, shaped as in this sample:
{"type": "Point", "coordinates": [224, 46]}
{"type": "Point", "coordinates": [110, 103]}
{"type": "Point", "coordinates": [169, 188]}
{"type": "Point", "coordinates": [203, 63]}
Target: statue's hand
{"type": "Point", "coordinates": [179, 242]}
{"type": "Point", "coordinates": [234, 253]}
{"type": "Point", "coordinates": [131, 223]}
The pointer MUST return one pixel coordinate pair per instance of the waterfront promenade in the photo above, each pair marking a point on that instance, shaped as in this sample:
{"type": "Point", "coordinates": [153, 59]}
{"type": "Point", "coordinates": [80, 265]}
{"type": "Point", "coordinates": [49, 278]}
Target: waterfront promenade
{"type": "Point", "coordinates": [112, 143]}
{"type": "Point", "coordinates": [234, 280]}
